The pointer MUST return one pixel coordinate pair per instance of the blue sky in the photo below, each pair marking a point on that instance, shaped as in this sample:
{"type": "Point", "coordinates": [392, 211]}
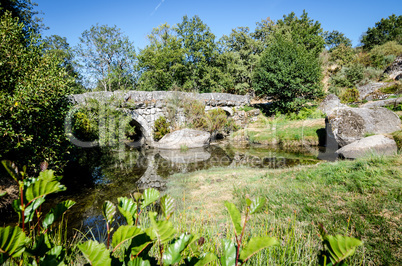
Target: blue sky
{"type": "Point", "coordinates": [137, 18]}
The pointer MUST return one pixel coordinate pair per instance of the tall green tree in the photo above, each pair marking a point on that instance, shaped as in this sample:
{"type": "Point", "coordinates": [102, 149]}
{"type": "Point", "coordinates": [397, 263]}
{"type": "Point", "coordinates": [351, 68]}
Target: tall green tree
{"type": "Point", "coordinates": [32, 105]}
{"type": "Point", "coordinates": [200, 51]}
{"type": "Point", "coordinates": [289, 74]}
{"type": "Point", "coordinates": [241, 52]}
{"type": "Point", "coordinates": [387, 29]}
{"type": "Point", "coordinates": [60, 48]}
{"type": "Point", "coordinates": [107, 58]}
{"type": "Point", "coordinates": [162, 61]}
{"type": "Point", "coordinates": [335, 38]}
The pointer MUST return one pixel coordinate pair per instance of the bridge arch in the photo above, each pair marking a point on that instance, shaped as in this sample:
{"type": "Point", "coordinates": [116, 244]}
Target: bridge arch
{"type": "Point", "coordinates": [146, 130]}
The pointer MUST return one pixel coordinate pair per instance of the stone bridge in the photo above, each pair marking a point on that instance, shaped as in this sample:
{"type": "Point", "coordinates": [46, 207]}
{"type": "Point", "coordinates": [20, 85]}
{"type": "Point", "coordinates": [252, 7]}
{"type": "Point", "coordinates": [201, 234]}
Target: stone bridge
{"type": "Point", "coordinates": [145, 107]}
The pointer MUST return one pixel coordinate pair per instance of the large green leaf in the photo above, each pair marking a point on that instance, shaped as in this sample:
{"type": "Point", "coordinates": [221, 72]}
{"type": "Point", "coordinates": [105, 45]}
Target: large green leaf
{"type": "Point", "coordinates": [54, 257]}
{"type": "Point", "coordinates": [108, 211]}
{"type": "Point", "coordinates": [29, 212]}
{"type": "Point", "coordinates": [228, 253]}
{"type": "Point", "coordinates": [95, 253]}
{"type": "Point", "coordinates": [12, 242]}
{"type": "Point", "coordinates": [167, 205]}
{"type": "Point", "coordinates": [149, 196]}
{"type": "Point", "coordinates": [11, 169]}
{"type": "Point", "coordinates": [138, 262]}
{"type": "Point", "coordinates": [256, 244]}
{"type": "Point", "coordinates": [57, 212]}
{"type": "Point", "coordinates": [128, 208]}
{"type": "Point", "coordinates": [257, 204]}
{"type": "Point", "coordinates": [172, 254]}
{"type": "Point", "coordinates": [40, 246]}
{"type": "Point", "coordinates": [48, 175]}
{"type": "Point", "coordinates": [138, 244]}
{"type": "Point", "coordinates": [235, 216]}
{"type": "Point", "coordinates": [204, 260]}
{"type": "Point", "coordinates": [42, 188]}
{"type": "Point", "coordinates": [162, 230]}
{"type": "Point", "coordinates": [341, 247]}
{"type": "Point", "coordinates": [123, 234]}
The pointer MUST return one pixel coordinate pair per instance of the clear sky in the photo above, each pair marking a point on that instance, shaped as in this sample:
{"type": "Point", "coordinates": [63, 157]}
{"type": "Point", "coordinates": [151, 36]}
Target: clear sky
{"type": "Point", "coordinates": [137, 18]}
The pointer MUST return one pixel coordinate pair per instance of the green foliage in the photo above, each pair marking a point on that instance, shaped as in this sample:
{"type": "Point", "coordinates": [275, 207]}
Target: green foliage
{"type": "Point", "coordinates": [101, 121]}
{"type": "Point", "coordinates": [348, 76]}
{"type": "Point", "coordinates": [335, 38]}
{"type": "Point", "coordinates": [383, 55]}
{"type": "Point", "coordinates": [350, 95]}
{"type": "Point", "coordinates": [161, 128]}
{"type": "Point", "coordinates": [306, 113]}
{"type": "Point", "coordinates": [107, 56]}
{"type": "Point", "coordinates": [33, 87]}
{"type": "Point", "coordinates": [289, 74]}
{"type": "Point", "coordinates": [37, 245]}
{"type": "Point", "coordinates": [342, 55]}
{"type": "Point", "coordinates": [397, 135]}
{"type": "Point", "coordinates": [162, 61]}
{"type": "Point", "coordinates": [388, 29]}
{"type": "Point", "coordinates": [96, 253]}
{"type": "Point", "coordinates": [337, 248]}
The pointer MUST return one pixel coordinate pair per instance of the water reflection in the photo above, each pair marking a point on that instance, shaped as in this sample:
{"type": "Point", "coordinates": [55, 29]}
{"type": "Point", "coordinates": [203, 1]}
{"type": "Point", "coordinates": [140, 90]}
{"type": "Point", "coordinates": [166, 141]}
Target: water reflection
{"type": "Point", "coordinates": [116, 173]}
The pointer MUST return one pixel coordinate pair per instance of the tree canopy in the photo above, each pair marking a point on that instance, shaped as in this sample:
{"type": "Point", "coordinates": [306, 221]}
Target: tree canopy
{"type": "Point", "coordinates": [387, 29]}
{"type": "Point", "coordinates": [289, 74]}
{"type": "Point", "coordinates": [107, 58]}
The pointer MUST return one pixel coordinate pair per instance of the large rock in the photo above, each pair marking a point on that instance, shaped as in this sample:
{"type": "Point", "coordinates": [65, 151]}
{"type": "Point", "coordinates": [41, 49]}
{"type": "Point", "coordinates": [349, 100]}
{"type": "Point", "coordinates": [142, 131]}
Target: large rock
{"type": "Point", "coordinates": [389, 102]}
{"type": "Point", "coordinates": [330, 103]}
{"type": "Point", "coordinates": [351, 124]}
{"type": "Point", "coordinates": [395, 69]}
{"type": "Point", "coordinates": [368, 89]}
{"type": "Point", "coordinates": [186, 137]}
{"type": "Point", "coordinates": [373, 145]}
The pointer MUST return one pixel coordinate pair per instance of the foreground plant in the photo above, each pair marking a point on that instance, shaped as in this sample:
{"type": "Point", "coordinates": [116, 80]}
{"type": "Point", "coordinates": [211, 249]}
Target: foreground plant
{"type": "Point", "coordinates": [33, 244]}
{"type": "Point", "coordinates": [337, 248]}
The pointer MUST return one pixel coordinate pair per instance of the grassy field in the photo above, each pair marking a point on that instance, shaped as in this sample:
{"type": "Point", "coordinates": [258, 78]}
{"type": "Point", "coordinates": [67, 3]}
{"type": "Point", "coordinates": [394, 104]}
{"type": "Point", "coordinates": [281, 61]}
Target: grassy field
{"type": "Point", "coordinates": [283, 131]}
{"type": "Point", "coordinates": [356, 198]}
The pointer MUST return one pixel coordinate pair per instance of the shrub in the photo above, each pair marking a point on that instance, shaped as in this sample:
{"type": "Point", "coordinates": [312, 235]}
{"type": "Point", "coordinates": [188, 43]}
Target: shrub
{"type": "Point", "coordinates": [161, 128]}
{"type": "Point", "coordinates": [383, 55]}
{"type": "Point", "coordinates": [350, 95]}
{"type": "Point", "coordinates": [306, 113]}
{"type": "Point", "coordinates": [348, 76]}
{"type": "Point", "coordinates": [342, 55]}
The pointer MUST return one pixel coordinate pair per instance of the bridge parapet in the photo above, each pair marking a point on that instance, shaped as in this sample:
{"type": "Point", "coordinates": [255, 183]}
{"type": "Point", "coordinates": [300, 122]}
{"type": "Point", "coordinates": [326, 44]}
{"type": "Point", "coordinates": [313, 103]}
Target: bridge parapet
{"type": "Point", "coordinates": [159, 98]}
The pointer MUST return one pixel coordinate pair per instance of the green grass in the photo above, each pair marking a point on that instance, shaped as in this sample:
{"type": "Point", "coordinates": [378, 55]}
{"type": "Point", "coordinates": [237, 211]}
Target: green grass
{"type": "Point", "coordinates": [283, 131]}
{"type": "Point", "coordinates": [358, 198]}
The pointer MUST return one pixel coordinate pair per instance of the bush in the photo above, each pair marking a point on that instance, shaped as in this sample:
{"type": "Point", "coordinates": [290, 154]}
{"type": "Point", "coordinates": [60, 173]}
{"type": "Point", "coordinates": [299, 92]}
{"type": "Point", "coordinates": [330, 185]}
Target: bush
{"type": "Point", "coordinates": [306, 113]}
{"type": "Point", "coordinates": [383, 55]}
{"type": "Point", "coordinates": [350, 95]}
{"type": "Point", "coordinates": [342, 55]}
{"type": "Point", "coordinates": [289, 74]}
{"type": "Point", "coordinates": [348, 76]}
{"type": "Point", "coordinates": [161, 128]}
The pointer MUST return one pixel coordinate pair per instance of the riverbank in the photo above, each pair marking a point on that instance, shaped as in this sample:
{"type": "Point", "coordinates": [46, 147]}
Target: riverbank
{"type": "Point", "coordinates": [358, 198]}
{"type": "Point", "coordinates": [282, 131]}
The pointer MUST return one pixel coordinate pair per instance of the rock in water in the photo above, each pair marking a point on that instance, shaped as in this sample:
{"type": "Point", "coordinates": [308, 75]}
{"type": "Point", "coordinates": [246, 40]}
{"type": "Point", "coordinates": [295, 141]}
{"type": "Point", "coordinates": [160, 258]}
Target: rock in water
{"type": "Point", "coordinates": [330, 103]}
{"type": "Point", "coordinates": [351, 124]}
{"type": "Point", "coordinates": [189, 138]}
{"type": "Point", "coordinates": [376, 145]}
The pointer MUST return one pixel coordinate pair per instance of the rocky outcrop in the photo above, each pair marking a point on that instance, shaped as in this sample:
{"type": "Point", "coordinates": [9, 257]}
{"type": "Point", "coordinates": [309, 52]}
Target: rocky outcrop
{"type": "Point", "coordinates": [389, 102]}
{"type": "Point", "coordinates": [189, 138]}
{"type": "Point", "coordinates": [330, 103]}
{"type": "Point", "coordinates": [368, 91]}
{"type": "Point", "coordinates": [395, 69]}
{"type": "Point", "coordinates": [373, 145]}
{"type": "Point", "coordinates": [351, 124]}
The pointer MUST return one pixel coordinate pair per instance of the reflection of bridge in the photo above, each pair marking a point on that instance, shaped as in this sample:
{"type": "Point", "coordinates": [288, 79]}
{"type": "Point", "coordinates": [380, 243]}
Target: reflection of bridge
{"type": "Point", "coordinates": [145, 107]}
